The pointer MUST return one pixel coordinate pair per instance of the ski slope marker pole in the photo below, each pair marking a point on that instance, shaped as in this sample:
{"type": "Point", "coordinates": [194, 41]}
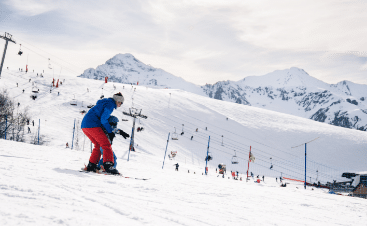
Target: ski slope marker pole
{"type": "Point", "coordinates": [207, 153]}
{"type": "Point", "coordinates": [72, 142]}
{"type": "Point", "coordinates": [165, 151]}
{"type": "Point", "coordinates": [39, 127]}
{"type": "Point", "coordinates": [305, 162]}
{"type": "Point", "coordinates": [248, 164]}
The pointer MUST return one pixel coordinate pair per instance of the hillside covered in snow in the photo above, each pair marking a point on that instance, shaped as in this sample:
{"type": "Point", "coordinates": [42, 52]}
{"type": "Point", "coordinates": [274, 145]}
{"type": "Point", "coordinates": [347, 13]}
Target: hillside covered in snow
{"type": "Point", "coordinates": [291, 91]}
{"type": "Point", "coordinates": [40, 184]}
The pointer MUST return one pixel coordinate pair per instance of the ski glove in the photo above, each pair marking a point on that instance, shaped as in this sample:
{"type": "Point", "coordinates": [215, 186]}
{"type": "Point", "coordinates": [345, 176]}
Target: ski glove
{"type": "Point", "coordinates": [111, 136]}
{"type": "Point", "coordinates": [122, 133]}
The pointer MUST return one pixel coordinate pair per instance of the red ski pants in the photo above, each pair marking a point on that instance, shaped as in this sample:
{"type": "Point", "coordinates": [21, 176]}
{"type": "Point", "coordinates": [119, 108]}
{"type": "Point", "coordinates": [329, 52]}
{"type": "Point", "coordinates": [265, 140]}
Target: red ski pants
{"type": "Point", "coordinates": [99, 139]}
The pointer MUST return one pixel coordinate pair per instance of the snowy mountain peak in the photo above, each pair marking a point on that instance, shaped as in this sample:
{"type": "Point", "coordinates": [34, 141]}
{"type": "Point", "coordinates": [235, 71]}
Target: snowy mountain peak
{"type": "Point", "coordinates": [294, 77]}
{"type": "Point", "coordinates": [125, 68]}
{"type": "Point", "coordinates": [127, 60]}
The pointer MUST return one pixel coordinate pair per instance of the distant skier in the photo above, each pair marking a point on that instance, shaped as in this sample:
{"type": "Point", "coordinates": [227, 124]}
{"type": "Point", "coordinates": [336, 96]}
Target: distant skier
{"type": "Point", "coordinates": [33, 122]}
{"type": "Point", "coordinates": [192, 137]}
{"type": "Point", "coordinates": [29, 130]}
{"type": "Point", "coordinates": [176, 166]}
{"type": "Point", "coordinates": [112, 120]}
{"type": "Point", "coordinates": [67, 145]}
{"type": "Point", "coordinates": [93, 121]}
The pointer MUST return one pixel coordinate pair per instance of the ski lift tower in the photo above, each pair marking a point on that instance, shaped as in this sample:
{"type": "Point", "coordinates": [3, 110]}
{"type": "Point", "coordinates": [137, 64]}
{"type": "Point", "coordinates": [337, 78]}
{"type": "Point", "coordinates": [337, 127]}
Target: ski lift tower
{"type": "Point", "coordinates": [133, 112]}
{"type": "Point", "coordinates": [8, 38]}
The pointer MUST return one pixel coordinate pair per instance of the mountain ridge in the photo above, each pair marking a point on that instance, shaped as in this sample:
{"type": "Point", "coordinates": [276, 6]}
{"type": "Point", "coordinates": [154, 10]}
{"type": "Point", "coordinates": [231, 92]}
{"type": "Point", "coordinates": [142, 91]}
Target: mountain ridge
{"type": "Point", "coordinates": [291, 91]}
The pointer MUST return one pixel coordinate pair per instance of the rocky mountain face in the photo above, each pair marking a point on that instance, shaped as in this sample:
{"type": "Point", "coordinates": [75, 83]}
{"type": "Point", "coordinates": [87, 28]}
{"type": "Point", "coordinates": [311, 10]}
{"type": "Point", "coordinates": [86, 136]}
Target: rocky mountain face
{"type": "Point", "coordinates": [291, 91]}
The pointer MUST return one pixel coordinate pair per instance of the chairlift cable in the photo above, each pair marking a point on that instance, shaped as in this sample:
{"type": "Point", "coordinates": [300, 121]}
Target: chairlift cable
{"type": "Point", "coordinates": [50, 54]}
{"type": "Point", "coordinates": [255, 142]}
{"type": "Point", "coordinates": [283, 163]}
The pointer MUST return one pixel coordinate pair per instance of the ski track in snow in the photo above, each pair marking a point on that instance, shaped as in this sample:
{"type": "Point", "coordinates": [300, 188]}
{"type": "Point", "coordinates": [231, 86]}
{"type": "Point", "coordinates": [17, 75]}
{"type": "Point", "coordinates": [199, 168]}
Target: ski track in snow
{"type": "Point", "coordinates": [41, 185]}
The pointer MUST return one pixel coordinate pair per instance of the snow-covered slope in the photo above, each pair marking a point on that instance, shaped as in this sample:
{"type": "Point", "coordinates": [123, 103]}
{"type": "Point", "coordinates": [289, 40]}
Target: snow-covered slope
{"type": "Point", "coordinates": [291, 91]}
{"type": "Point", "coordinates": [41, 185]}
{"type": "Point", "coordinates": [294, 91]}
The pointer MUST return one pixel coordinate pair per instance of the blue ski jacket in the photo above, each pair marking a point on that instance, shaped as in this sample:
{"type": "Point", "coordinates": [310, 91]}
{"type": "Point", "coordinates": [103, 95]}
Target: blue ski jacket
{"type": "Point", "coordinates": [99, 114]}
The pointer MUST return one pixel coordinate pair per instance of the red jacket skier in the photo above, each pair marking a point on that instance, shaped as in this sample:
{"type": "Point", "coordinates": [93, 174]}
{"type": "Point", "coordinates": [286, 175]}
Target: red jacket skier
{"type": "Point", "coordinates": [92, 127]}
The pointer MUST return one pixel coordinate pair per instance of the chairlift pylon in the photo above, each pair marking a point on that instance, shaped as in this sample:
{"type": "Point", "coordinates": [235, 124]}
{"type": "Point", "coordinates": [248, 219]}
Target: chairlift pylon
{"type": "Point", "coordinates": [174, 135]}
{"type": "Point", "coordinates": [234, 158]}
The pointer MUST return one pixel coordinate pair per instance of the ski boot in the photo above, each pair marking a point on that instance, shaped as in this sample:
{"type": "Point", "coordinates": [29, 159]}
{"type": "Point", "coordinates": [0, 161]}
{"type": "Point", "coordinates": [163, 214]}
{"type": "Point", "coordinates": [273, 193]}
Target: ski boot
{"type": "Point", "coordinates": [91, 167]}
{"type": "Point", "coordinates": [108, 167]}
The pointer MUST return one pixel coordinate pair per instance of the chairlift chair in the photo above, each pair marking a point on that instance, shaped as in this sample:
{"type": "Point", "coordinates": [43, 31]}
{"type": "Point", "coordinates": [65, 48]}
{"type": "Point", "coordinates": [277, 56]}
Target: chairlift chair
{"type": "Point", "coordinates": [234, 158]}
{"type": "Point", "coordinates": [174, 135]}
{"type": "Point", "coordinates": [74, 102]}
{"type": "Point", "coordinates": [271, 163]}
{"type": "Point", "coordinates": [209, 157]}
{"type": "Point", "coordinates": [20, 50]}
{"type": "Point", "coordinates": [49, 64]}
{"type": "Point", "coordinates": [34, 89]}
{"type": "Point", "coordinates": [252, 158]}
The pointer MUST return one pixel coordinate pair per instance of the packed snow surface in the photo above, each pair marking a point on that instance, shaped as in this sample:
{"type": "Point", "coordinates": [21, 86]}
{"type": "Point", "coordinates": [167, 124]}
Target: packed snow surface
{"type": "Point", "coordinates": [42, 185]}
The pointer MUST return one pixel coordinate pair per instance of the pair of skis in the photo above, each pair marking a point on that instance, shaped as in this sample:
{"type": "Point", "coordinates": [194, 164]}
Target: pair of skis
{"type": "Point", "coordinates": [117, 175]}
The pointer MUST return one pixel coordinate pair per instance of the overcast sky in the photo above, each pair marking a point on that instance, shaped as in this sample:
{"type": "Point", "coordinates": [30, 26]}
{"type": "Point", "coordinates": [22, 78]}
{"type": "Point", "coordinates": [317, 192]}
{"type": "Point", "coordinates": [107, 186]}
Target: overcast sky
{"type": "Point", "coordinates": [202, 41]}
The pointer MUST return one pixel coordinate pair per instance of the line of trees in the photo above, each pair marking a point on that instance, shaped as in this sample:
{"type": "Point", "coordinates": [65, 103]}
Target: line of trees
{"type": "Point", "coordinates": [12, 122]}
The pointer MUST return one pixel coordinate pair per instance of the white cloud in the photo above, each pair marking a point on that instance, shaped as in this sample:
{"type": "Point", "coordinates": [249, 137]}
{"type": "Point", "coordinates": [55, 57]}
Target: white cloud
{"type": "Point", "coordinates": [31, 7]}
{"type": "Point", "coordinates": [204, 40]}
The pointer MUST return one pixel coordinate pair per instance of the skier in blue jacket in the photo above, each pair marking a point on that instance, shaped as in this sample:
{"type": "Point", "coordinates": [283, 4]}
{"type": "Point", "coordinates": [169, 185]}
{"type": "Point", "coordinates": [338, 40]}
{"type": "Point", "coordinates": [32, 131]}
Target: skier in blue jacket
{"type": "Point", "coordinates": [93, 124]}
